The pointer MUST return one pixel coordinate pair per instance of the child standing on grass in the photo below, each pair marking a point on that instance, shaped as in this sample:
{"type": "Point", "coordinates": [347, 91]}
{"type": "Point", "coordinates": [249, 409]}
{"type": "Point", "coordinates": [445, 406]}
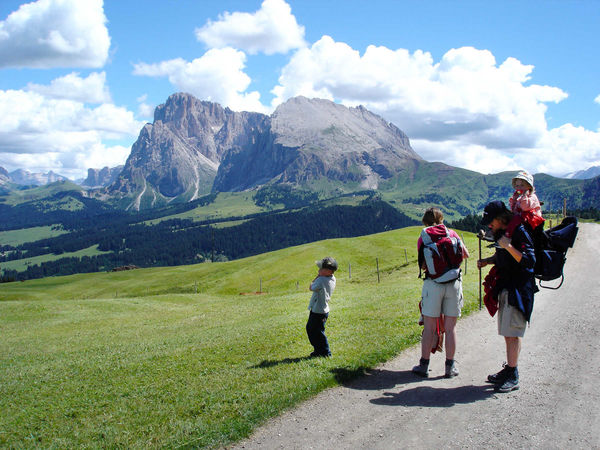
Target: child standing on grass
{"type": "Point", "coordinates": [322, 288]}
{"type": "Point", "coordinates": [524, 203]}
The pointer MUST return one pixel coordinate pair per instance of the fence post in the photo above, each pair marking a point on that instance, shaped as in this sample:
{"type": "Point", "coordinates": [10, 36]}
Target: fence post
{"type": "Point", "coordinates": [349, 271]}
{"type": "Point", "coordinates": [377, 262]}
{"type": "Point", "coordinates": [406, 256]}
{"type": "Point", "coordinates": [196, 287]}
{"type": "Point", "coordinates": [260, 285]}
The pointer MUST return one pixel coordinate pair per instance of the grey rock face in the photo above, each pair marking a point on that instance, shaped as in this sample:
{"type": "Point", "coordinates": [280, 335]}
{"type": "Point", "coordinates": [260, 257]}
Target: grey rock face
{"type": "Point", "coordinates": [194, 147]}
{"type": "Point", "coordinates": [101, 177]}
{"type": "Point", "coordinates": [179, 154]}
{"type": "Point", "coordinates": [313, 138]}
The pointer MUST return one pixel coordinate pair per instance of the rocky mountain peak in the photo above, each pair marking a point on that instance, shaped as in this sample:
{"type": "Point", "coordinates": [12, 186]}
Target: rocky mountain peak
{"type": "Point", "coordinates": [336, 127]}
{"type": "Point", "coordinates": [194, 147]}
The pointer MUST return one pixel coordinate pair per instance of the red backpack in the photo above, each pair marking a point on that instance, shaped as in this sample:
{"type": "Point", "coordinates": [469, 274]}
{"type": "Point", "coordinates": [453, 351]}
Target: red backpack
{"type": "Point", "coordinates": [441, 253]}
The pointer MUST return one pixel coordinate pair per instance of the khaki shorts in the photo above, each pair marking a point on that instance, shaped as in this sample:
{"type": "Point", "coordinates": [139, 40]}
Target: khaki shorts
{"type": "Point", "coordinates": [511, 322]}
{"type": "Point", "coordinates": [441, 298]}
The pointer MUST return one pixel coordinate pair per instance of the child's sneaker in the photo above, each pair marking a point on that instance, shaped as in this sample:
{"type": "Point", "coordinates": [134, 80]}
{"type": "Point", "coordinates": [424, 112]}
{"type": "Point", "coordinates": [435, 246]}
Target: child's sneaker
{"type": "Point", "coordinates": [451, 369]}
{"type": "Point", "coordinates": [422, 369]}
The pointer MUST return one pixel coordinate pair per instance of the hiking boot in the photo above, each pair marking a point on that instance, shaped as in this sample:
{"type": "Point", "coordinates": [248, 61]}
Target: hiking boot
{"type": "Point", "coordinates": [422, 369]}
{"type": "Point", "coordinates": [451, 369]}
{"type": "Point", "coordinates": [511, 380]}
{"type": "Point", "coordinates": [510, 384]}
{"type": "Point", "coordinates": [500, 377]}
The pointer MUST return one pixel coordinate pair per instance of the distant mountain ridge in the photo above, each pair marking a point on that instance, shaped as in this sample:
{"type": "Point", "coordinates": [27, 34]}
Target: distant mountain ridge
{"type": "Point", "coordinates": [25, 177]}
{"type": "Point", "coordinates": [588, 173]}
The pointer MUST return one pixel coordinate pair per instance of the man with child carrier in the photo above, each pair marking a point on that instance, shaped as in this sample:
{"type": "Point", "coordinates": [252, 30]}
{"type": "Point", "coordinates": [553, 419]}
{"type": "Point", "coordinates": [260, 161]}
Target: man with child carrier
{"type": "Point", "coordinates": [513, 282]}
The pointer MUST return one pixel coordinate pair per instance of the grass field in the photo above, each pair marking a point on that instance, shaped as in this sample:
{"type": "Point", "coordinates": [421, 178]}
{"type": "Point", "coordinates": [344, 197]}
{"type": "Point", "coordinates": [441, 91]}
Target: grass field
{"type": "Point", "coordinates": [139, 359]}
{"type": "Point", "coordinates": [227, 204]}
{"type": "Point", "coordinates": [18, 237]}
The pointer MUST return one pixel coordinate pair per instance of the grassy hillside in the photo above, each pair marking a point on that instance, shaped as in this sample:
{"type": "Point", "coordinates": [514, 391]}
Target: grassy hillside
{"type": "Point", "coordinates": [139, 359]}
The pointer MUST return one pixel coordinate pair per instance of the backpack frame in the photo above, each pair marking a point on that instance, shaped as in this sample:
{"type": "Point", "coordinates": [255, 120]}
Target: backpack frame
{"type": "Point", "coordinates": [551, 248]}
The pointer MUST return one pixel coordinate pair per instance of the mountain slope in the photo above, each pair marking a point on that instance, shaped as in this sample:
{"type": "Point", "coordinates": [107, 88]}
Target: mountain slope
{"type": "Point", "coordinates": [590, 172]}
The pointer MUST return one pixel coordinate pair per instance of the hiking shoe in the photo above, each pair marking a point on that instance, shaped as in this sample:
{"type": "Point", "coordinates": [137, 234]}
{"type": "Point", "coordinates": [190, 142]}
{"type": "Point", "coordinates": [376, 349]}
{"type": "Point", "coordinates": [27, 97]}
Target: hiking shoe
{"type": "Point", "coordinates": [451, 370]}
{"type": "Point", "coordinates": [510, 384]}
{"type": "Point", "coordinates": [500, 377]}
{"type": "Point", "coordinates": [422, 369]}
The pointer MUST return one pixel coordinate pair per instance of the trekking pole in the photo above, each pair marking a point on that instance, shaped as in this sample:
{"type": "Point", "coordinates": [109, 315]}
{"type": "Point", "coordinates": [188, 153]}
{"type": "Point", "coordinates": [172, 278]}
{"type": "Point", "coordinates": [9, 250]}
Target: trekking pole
{"type": "Point", "coordinates": [479, 238]}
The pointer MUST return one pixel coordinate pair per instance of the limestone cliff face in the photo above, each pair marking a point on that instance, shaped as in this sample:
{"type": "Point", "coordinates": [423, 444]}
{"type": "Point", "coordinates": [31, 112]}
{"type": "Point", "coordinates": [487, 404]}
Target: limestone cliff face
{"type": "Point", "coordinates": [311, 139]}
{"type": "Point", "coordinates": [101, 177]}
{"type": "Point", "coordinates": [194, 147]}
{"type": "Point", "coordinates": [178, 155]}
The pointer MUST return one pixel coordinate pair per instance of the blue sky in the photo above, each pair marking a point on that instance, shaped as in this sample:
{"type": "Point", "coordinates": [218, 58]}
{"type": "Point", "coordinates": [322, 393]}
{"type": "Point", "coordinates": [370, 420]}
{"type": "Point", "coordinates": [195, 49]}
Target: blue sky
{"type": "Point", "coordinates": [488, 86]}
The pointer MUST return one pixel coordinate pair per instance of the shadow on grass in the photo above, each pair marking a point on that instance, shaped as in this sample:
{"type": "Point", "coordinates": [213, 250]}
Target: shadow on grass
{"type": "Point", "coordinates": [374, 379]}
{"type": "Point", "coordinates": [271, 363]}
{"type": "Point", "coordinates": [436, 397]}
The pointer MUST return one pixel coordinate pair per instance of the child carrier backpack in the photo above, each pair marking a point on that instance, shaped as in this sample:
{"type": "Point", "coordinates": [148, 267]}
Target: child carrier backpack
{"type": "Point", "coordinates": [441, 253]}
{"type": "Point", "coordinates": [551, 248]}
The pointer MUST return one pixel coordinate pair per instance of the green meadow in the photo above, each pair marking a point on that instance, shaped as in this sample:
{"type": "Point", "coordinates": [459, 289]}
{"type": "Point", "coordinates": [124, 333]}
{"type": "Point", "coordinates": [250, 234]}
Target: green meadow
{"type": "Point", "coordinates": [200, 355]}
{"type": "Point", "coordinates": [18, 237]}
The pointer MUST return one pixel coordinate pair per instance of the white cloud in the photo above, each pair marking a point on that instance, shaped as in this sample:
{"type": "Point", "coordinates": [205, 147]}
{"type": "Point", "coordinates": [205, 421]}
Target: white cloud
{"type": "Point", "coordinates": [92, 89]}
{"type": "Point", "coordinates": [144, 109]}
{"type": "Point", "coordinates": [217, 76]}
{"type": "Point", "coordinates": [567, 149]}
{"type": "Point", "coordinates": [464, 94]}
{"type": "Point", "coordinates": [272, 29]}
{"type": "Point", "coordinates": [59, 134]}
{"type": "Point", "coordinates": [99, 156]}
{"type": "Point", "coordinates": [465, 110]}
{"type": "Point", "coordinates": [597, 99]}
{"type": "Point", "coordinates": [55, 33]}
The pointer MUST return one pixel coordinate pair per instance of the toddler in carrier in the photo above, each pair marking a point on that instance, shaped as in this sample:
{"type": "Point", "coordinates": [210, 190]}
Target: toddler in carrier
{"type": "Point", "coordinates": [524, 203]}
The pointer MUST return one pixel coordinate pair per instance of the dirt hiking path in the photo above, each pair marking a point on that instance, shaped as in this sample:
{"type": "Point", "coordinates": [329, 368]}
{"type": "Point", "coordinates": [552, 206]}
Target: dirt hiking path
{"type": "Point", "coordinates": [557, 406]}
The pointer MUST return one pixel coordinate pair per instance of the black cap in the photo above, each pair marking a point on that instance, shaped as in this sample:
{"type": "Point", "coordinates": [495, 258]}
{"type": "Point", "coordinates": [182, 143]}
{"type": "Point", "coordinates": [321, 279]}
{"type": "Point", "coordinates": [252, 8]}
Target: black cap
{"type": "Point", "coordinates": [327, 263]}
{"type": "Point", "coordinates": [491, 211]}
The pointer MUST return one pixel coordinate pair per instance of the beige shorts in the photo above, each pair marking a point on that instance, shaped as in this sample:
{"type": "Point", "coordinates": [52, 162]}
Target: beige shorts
{"type": "Point", "coordinates": [441, 298]}
{"type": "Point", "coordinates": [511, 322]}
